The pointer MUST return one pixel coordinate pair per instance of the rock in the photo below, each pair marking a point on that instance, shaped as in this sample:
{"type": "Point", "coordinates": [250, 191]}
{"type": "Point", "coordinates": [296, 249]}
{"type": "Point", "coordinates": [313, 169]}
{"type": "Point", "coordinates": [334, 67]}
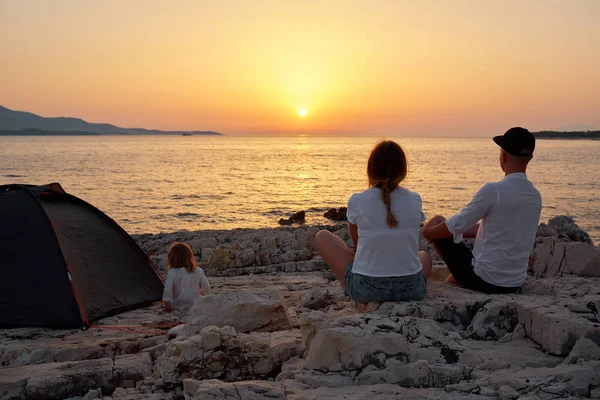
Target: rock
{"type": "Point", "coordinates": [351, 348]}
{"type": "Point", "coordinates": [231, 356]}
{"type": "Point", "coordinates": [443, 375]}
{"type": "Point", "coordinates": [315, 298]}
{"type": "Point", "coordinates": [507, 393]}
{"type": "Point", "coordinates": [56, 380]}
{"type": "Point", "coordinates": [568, 230]}
{"type": "Point", "coordinates": [223, 257]}
{"type": "Point", "coordinates": [584, 349]}
{"type": "Point", "coordinates": [132, 368]}
{"type": "Point", "coordinates": [337, 214]}
{"type": "Point", "coordinates": [244, 258]}
{"type": "Point", "coordinates": [199, 245]}
{"type": "Point", "coordinates": [176, 331]}
{"type": "Point", "coordinates": [219, 390]}
{"type": "Point", "coordinates": [562, 381]}
{"type": "Point", "coordinates": [211, 337]}
{"type": "Point", "coordinates": [298, 217]}
{"type": "Point", "coordinates": [545, 231]}
{"type": "Point", "coordinates": [246, 312]}
{"type": "Point", "coordinates": [493, 321]}
{"type": "Point", "coordinates": [554, 258]}
{"type": "Point", "coordinates": [556, 328]}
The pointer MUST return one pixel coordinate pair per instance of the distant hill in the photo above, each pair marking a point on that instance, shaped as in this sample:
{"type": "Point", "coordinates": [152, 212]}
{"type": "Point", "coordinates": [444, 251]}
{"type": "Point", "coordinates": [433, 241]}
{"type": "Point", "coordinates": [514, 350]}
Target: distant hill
{"type": "Point", "coordinates": [567, 135]}
{"type": "Point", "coordinates": [25, 123]}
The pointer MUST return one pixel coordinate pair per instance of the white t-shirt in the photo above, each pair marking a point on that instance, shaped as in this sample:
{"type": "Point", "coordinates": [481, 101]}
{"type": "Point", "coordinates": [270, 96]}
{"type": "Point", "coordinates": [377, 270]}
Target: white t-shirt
{"type": "Point", "coordinates": [182, 287]}
{"type": "Point", "coordinates": [384, 251]}
{"type": "Point", "coordinates": [509, 211]}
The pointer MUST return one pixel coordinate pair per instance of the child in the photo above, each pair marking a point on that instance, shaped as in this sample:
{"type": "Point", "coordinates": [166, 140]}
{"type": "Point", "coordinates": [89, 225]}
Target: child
{"type": "Point", "coordinates": [386, 264]}
{"type": "Point", "coordinates": [185, 280]}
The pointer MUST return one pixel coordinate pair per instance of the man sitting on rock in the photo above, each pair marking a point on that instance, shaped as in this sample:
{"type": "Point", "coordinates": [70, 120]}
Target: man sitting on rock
{"type": "Point", "coordinates": [509, 211]}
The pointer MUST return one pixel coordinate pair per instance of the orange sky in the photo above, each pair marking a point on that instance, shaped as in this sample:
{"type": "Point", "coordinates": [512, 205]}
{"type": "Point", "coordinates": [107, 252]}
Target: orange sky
{"type": "Point", "coordinates": [413, 68]}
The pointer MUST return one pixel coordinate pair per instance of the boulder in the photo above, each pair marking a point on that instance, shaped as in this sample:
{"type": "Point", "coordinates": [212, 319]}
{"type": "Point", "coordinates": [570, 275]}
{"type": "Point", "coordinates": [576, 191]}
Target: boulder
{"type": "Point", "coordinates": [131, 368]}
{"type": "Point", "coordinates": [555, 258]}
{"type": "Point", "coordinates": [222, 257]}
{"type": "Point", "coordinates": [56, 380]}
{"type": "Point", "coordinates": [316, 298]}
{"type": "Point", "coordinates": [352, 348]}
{"type": "Point", "coordinates": [568, 230]}
{"type": "Point", "coordinates": [555, 327]}
{"type": "Point", "coordinates": [227, 355]}
{"type": "Point", "coordinates": [246, 312]}
{"type": "Point", "coordinates": [493, 321]}
{"type": "Point", "coordinates": [337, 214]}
{"type": "Point", "coordinates": [203, 243]}
{"type": "Point", "coordinates": [298, 217]}
{"type": "Point", "coordinates": [218, 390]}
{"type": "Point", "coordinates": [244, 258]}
{"type": "Point", "coordinates": [584, 349]}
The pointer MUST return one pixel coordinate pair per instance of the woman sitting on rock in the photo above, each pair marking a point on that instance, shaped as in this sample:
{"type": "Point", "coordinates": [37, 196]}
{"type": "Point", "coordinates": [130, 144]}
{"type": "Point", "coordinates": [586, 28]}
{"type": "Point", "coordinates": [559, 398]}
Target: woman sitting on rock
{"type": "Point", "coordinates": [386, 264]}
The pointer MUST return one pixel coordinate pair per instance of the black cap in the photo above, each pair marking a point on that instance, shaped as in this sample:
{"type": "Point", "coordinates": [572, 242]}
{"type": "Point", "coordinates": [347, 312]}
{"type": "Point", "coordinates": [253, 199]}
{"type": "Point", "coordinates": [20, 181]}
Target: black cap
{"type": "Point", "coordinates": [517, 141]}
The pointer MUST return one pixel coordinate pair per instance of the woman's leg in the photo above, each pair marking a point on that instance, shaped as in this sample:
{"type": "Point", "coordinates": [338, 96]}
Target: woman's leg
{"type": "Point", "coordinates": [334, 252]}
{"type": "Point", "coordinates": [426, 263]}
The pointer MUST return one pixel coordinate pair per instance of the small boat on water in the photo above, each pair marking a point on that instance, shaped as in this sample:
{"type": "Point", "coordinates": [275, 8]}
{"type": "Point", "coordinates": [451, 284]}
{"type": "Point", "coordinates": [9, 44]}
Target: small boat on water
{"type": "Point", "coordinates": [186, 134]}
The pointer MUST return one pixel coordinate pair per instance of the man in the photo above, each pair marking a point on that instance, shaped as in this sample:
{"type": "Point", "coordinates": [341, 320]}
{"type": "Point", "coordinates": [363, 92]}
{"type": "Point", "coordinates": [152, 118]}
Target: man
{"type": "Point", "coordinates": [509, 211]}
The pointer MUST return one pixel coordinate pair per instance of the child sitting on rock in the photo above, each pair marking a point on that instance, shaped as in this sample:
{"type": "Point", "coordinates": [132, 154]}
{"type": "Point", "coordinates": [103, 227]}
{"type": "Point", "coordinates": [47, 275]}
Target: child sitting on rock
{"type": "Point", "coordinates": [185, 281]}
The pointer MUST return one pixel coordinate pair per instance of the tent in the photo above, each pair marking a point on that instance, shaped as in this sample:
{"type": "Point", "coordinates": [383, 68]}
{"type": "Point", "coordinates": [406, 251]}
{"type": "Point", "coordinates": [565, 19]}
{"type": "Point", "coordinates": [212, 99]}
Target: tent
{"type": "Point", "coordinates": [64, 263]}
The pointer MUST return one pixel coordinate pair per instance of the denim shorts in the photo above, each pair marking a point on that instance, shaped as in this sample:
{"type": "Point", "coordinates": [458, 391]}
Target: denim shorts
{"type": "Point", "coordinates": [365, 289]}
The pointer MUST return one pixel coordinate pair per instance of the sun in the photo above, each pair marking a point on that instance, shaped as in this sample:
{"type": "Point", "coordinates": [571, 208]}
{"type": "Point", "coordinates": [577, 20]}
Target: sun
{"type": "Point", "coordinates": [302, 112]}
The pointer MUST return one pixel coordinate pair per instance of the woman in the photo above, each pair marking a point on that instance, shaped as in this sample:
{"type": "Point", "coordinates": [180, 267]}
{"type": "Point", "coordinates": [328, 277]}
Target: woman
{"type": "Point", "coordinates": [384, 225]}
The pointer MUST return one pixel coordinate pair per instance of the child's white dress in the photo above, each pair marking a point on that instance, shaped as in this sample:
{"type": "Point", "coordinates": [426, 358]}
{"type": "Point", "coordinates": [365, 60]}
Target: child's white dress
{"type": "Point", "coordinates": [182, 287]}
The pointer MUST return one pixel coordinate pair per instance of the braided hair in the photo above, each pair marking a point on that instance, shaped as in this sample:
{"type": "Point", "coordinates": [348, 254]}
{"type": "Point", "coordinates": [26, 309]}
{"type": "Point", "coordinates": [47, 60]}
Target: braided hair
{"type": "Point", "coordinates": [387, 167]}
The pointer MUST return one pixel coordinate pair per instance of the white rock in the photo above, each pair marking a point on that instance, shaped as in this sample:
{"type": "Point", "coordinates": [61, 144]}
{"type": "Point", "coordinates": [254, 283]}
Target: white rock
{"type": "Point", "coordinates": [351, 348]}
{"type": "Point", "coordinates": [245, 312]}
{"type": "Point", "coordinates": [584, 349]}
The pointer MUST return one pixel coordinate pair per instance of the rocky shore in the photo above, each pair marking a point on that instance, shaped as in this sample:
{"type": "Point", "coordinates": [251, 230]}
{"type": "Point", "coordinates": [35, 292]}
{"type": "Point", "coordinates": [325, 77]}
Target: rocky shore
{"type": "Point", "coordinates": [278, 326]}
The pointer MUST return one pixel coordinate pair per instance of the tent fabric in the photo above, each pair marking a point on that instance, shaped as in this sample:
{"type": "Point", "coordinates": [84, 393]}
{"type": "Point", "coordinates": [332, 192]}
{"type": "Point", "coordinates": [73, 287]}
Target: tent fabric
{"type": "Point", "coordinates": [65, 263]}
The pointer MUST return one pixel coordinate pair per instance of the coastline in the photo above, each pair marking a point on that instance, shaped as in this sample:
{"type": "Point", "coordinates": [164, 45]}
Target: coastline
{"type": "Point", "coordinates": [277, 325]}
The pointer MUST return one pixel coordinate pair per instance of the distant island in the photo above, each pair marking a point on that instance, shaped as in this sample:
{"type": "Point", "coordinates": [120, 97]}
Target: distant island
{"type": "Point", "coordinates": [20, 123]}
{"type": "Point", "coordinates": [567, 135]}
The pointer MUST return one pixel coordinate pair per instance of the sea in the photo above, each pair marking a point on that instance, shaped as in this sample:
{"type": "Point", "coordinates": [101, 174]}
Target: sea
{"type": "Point", "coordinates": [152, 184]}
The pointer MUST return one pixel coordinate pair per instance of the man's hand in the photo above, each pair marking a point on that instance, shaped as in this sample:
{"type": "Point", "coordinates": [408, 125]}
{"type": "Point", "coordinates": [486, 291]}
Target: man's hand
{"type": "Point", "coordinates": [436, 229]}
{"type": "Point", "coordinates": [168, 307]}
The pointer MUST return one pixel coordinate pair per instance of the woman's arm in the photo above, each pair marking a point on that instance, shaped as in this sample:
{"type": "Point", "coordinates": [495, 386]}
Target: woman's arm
{"type": "Point", "coordinates": [204, 284]}
{"type": "Point", "coordinates": [354, 235]}
{"type": "Point", "coordinates": [168, 292]}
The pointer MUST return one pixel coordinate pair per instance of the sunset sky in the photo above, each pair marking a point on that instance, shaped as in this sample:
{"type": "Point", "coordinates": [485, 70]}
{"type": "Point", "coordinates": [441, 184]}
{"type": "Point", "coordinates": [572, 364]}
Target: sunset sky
{"type": "Point", "coordinates": [405, 68]}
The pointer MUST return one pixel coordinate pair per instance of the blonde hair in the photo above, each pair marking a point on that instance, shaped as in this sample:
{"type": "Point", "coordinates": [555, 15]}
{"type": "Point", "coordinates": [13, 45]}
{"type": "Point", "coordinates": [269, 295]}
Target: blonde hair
{"type": "Point", "coordinates": [386, 168]}
{"type": "Point", "coordinates": [181, 256]}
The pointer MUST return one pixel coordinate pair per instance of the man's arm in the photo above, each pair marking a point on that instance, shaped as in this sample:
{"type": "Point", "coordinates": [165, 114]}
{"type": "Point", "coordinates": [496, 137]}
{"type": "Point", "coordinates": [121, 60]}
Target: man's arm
{"type": "Point", "coordinates": [436, 232]}
{"type": "Point", "coordinates": [464, 224]}
{"type": "Point", "coordinates": [354, 235]}
{"type": "Point", "coordinates": [472, 232]}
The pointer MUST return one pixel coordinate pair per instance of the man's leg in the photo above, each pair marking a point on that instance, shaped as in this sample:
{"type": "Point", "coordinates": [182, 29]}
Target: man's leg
{"type": "Point", "coordinates": [456, 256]}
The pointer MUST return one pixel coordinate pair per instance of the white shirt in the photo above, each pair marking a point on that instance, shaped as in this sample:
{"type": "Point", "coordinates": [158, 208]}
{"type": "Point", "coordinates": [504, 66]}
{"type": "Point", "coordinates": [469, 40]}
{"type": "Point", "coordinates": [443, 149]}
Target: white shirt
{"type": "Point", "coordinates": [509, 211]}
{"type": "Point", "coordinates": [384, 251]}
{"type": "Point", "coordinates": [182, 287]}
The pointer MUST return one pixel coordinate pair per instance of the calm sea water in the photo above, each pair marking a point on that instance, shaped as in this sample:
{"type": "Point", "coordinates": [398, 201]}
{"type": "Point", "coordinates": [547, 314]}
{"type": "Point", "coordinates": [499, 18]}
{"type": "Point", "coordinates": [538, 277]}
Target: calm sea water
{"type": "Point", "coordinates": [154, 184]}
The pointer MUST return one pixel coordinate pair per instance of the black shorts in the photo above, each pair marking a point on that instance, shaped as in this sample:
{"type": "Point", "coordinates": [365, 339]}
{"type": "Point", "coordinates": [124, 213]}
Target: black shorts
{"type": "Point", "coordinates": [459, 259]}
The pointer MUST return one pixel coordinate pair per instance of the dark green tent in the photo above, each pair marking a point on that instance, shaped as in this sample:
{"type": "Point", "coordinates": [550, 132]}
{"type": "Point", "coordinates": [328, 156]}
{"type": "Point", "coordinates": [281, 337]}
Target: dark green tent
{"type": "Point", "coordinates": [64, 263]}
